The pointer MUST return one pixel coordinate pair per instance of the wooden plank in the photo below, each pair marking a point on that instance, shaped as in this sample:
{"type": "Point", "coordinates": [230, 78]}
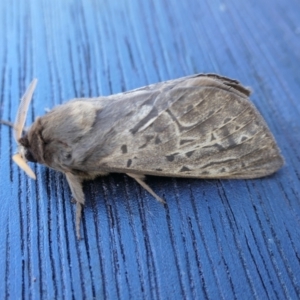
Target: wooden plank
{"type": "Point", "coordinates": [215, 239]}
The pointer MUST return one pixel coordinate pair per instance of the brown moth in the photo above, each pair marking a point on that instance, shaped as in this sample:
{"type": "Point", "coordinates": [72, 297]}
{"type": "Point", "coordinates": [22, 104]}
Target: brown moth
{"type": "Point", "coordinates": [201, 126]}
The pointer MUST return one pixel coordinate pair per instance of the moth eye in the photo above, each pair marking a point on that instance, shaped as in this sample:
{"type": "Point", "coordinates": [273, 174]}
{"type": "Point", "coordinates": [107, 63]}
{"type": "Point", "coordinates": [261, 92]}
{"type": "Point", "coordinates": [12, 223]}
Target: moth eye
{"type": "Point", "coordinates": [29, 156]}
{"type": "Point", "coordinates": [24, 141]}
{"type": "Point", "coordinates": [68, 156]}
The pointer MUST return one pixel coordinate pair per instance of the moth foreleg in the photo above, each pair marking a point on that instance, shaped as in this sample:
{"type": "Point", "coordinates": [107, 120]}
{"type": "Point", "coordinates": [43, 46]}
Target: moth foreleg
{"type": "Point", "coordinates": [75, 184]}
{"type": "Point", "coordinates": [140, 180]}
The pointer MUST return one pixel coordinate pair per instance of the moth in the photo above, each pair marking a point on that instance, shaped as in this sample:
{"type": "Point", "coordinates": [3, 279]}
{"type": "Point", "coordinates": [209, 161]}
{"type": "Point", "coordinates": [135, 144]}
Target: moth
{"type": "Point", "coordinates": [201, 126]}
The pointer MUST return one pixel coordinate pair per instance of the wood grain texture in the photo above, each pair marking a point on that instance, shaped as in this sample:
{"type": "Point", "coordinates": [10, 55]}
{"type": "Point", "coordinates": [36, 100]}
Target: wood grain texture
{"type": "Point", "coordinates": [216, 239]}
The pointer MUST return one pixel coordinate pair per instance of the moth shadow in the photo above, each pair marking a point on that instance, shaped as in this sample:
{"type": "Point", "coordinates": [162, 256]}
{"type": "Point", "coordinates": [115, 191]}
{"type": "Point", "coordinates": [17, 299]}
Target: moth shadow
{"type": "Point", "coordinates": [117, 187]}
{"type": "Point", "coordinates": [119, 191]}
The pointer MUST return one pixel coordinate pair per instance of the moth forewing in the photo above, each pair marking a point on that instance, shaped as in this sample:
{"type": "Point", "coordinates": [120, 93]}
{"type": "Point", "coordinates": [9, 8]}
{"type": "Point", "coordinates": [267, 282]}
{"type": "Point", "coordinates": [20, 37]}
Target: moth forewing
{"type": "Point", "coordinates": [202, 126]}
{"type": "Point", "coordinates": [207, 131]}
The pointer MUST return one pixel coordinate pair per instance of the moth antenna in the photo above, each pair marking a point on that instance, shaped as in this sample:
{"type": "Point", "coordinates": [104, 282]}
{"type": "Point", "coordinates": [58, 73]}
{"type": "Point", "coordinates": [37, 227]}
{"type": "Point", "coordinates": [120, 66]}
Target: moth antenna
{"type": "Point", "coordinates": [18, 127]}
{"type": "Point", "coordinates": [19, 160]}
{"type": "Point", "coordinates": [23, 109]}
{"type": "Point", "coordinates": [140, 181]}
{"type": "Point", "coordinates": [7, 123]}
{"type": "Point", "coordinates": [11, 124]}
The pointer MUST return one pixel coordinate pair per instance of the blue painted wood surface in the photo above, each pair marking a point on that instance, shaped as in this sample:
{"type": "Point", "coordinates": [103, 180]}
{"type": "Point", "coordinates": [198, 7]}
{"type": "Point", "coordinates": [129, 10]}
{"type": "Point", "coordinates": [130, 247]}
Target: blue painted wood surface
{"type": "Point", "coordinates": [215, 239]}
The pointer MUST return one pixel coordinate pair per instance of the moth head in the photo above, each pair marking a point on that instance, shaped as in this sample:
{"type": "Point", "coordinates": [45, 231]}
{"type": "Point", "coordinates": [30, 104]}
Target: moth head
{"type": "Point", "coordinates": [24, 154]}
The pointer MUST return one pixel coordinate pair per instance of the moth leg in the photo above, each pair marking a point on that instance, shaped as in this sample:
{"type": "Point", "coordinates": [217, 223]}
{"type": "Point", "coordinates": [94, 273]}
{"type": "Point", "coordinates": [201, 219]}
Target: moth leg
{"type": "Point", "coordinates": [75, 184]}
{"type": "Point", "coordinates": [140, 180]}
{"type": "Point", "coordinates": [73, 200]}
